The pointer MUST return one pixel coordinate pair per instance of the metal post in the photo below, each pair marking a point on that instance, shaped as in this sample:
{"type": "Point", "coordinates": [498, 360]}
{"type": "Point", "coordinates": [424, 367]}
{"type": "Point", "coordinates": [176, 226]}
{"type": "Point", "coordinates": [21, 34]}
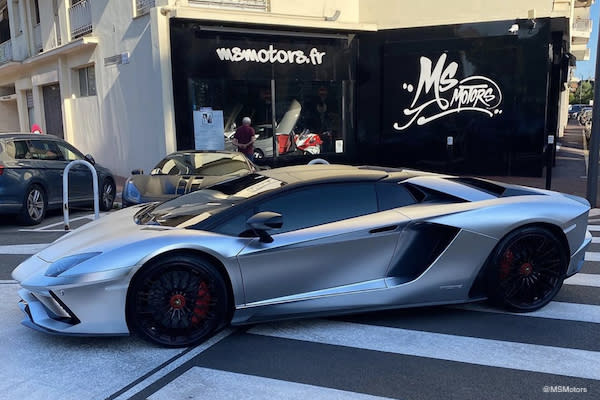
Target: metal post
{"type": "Point", "coordinates": [592, 179]}
{"type": "Point", "coordinates": [66, 190]}
{"type": "Point", "coordinates": [549, 158]}
{"type": "Point", "coordinates": [449, 153]}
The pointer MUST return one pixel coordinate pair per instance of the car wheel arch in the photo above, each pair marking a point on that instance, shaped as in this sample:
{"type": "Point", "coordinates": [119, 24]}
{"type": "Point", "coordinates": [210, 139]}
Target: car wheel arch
{"type": "Point", "coordinates": [197, 254]}
{"type": "Point", "coordinates": [479, 286]}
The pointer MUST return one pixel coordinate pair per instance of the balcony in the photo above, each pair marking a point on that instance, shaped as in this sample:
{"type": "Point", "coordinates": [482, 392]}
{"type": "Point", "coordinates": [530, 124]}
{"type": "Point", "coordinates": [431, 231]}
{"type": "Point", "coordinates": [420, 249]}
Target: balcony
{"type": "Point", "coordinates": [258, 5]}
{"type": "Point", "coordinates": [143, 6]}
{"type": "Point", "coordinates": [80, 16]}
{"type": "Point", "coordinates": [6, 52]}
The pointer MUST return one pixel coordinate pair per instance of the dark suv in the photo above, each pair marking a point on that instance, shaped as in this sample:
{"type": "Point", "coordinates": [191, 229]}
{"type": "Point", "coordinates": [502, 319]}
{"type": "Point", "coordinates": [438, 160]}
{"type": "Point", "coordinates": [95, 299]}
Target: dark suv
{"type": "Point", "coordinates": [31, 175]}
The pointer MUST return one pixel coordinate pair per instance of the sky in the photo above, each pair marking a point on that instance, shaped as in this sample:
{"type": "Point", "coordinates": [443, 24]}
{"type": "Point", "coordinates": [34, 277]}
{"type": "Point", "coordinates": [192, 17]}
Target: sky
{"type": "Point", "coordinates": [586, 69]}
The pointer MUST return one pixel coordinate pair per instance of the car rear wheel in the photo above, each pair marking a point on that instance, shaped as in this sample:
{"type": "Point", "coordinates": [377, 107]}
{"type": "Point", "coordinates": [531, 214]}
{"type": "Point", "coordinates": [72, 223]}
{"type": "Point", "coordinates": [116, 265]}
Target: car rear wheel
{"type": "Point", "coordinates": [177, 301]}
{"type": "Point", "coordinates": [34, 206]}
{"type": "Point", "coordinates": [527, 269]}
{"type": "Point", "coordinates": [107, 195]}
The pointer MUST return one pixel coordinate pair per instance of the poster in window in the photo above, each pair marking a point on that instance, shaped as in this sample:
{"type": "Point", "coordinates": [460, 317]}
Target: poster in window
{"type": "Point", "coordinates": [209, 131]}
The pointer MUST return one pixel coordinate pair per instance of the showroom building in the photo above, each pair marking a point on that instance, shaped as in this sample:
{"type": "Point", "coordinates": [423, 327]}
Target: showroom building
{"type": "Point", "coordinates": [461, 87]}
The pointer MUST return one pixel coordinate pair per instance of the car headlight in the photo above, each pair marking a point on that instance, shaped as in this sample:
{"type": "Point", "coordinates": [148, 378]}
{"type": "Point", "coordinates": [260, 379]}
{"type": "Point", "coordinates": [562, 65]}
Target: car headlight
{"type": "Point", "coordinates": [132, 192]}
{"type": "Point", "coordinates": [66, 263]}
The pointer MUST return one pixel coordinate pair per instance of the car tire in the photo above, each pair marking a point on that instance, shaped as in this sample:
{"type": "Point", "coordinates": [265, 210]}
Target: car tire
{"type": "Point", "coordinates": [35, 205]}
{"type": "Point", "coordinates": [527, 269]}
{"type": "Point", "coordinates": [107, 195]}
{"type": "Point", "coordinates": [177, 301]}
{"type": "Point", "coordinates": [258, 154]}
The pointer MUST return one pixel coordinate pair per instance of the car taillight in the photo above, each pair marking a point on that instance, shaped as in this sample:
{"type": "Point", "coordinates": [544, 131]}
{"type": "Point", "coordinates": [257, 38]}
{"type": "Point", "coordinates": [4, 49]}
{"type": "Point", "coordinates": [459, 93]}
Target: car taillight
{"type": "Point", "coordinates": [1, 169]}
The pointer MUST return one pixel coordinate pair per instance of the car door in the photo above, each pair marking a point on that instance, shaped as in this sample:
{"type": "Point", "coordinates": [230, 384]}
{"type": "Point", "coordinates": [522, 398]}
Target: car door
{"type": "Point", "coordinates": [333, 240]}
{"type": "Point", "coordinates": [80, 177]}
{"type": "Point", "coordinates": [51, 164]}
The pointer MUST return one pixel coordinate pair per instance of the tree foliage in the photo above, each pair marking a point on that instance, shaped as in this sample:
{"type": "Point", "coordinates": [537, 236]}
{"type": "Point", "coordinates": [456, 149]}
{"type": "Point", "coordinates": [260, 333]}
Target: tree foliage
{"type": "Point", "coordinates": [583, 94]}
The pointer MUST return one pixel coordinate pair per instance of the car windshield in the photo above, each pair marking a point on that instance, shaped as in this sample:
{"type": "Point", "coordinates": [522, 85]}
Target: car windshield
{"type": "Point", "coordinates": [205, 164]}
{"type": "Point", "coordinates": [197, 206]}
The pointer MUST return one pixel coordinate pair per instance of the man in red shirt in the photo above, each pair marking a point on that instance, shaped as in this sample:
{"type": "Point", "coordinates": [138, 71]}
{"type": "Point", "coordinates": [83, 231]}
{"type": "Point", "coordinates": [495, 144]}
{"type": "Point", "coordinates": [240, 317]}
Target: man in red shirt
{"type": "Point", "coordinates": [244, 138]}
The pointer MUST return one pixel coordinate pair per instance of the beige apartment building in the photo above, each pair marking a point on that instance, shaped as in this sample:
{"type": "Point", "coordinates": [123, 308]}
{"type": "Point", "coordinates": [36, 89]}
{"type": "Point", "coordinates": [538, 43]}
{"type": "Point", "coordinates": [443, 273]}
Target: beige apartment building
{"type": "Point", "coordinates": [107, 75]}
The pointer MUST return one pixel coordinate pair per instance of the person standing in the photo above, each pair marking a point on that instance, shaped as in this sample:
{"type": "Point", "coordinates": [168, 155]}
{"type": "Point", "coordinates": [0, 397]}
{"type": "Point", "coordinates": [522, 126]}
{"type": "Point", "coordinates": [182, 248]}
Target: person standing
{"type": "Point", "coordinates": [244, 138]}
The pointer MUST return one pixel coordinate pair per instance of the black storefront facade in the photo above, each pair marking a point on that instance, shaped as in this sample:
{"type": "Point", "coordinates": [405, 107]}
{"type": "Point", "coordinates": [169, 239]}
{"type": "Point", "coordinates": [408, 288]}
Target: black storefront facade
{"type": "Point", "coordinates": [472, 98]}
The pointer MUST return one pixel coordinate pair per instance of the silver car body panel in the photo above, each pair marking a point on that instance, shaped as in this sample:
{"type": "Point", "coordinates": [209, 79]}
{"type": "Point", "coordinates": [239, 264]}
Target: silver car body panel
{"type": "Point", "coordinates": [340, 267]}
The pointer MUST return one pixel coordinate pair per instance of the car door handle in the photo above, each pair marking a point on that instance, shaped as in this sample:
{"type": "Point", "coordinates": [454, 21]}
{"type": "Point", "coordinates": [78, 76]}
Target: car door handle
{"type": "Point", "coordinates": [383, 229]}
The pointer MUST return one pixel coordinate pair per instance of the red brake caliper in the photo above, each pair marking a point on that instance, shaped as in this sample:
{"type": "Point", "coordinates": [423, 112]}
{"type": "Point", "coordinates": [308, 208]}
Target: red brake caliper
{"type": "Point", "coordinates": [202, 303]}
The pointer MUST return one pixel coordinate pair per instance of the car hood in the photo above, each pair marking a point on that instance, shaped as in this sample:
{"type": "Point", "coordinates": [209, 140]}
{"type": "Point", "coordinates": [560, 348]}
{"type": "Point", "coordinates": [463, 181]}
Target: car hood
{"type": "Point", "coordinates": [104, 234]}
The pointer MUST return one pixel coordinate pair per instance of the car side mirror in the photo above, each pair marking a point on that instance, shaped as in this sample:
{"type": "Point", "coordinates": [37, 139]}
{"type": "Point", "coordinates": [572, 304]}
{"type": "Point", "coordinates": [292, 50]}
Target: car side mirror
{"type": "Point", "coordinates": [90, 159]}
{"type": "Point", "coordinates": [263, 222]}
{"type": "Point", "coordinates": [137, 172]}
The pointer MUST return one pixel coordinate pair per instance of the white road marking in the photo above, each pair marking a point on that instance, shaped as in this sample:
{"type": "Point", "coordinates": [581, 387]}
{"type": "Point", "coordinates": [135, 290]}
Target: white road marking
{"type": "Point", "coordinates": [592, 256]}
{"type": "Point", "coordinates": [584, 280]}
{"type": "Point", "coordinates": [61, 223]}
{"type": "Point", "coordinates": [218, 384]}
{"type": "Point", "coordinates": [23, 248]}
{"type": "Point", "coordinates": [595, 239]}
{"type": "Point", "coordinates": [553, 310]}
{"type": "Point", "coordinates": [175, 364]}
{"type": "Point", "coordinates": [7, 282]}
{"type": "Point", "coordinates": [493, 353]}
{"type": "Point", "coordinates": [594, 228]}
{"type": "Point", "coordinates": [594, 211]}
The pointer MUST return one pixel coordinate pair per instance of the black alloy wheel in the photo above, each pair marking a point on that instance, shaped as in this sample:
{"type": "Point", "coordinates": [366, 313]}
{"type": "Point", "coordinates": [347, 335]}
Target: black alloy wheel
{"type": "Point", "coordinates": [527, 269]}
{"type": "Point", "coordinates": [258, 154]}
{"type": "Point", "coordinates": [34, 206]}
{"type": "Point", "coordinates": [107, 195]}
{"type": "Point", "coordinates": [177, 301]}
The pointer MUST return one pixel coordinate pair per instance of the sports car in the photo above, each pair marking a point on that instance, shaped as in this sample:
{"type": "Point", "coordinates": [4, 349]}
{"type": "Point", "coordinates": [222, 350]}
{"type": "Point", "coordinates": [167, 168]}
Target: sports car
{"type": "Point", "coordinates": [184, 172]}
{"type": "Point", "coordinates": [304, 241]}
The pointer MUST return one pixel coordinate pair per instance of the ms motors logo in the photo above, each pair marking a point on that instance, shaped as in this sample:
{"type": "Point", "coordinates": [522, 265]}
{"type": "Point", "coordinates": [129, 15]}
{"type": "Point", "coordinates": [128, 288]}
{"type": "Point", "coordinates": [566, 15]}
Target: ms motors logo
{"type": "Point", "coordinates": [440, 93]}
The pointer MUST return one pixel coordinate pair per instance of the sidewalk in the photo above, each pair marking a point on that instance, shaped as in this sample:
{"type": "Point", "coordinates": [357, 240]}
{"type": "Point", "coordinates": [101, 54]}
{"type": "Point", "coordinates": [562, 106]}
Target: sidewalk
{"type": "Point", "coordinates": [570, 173]}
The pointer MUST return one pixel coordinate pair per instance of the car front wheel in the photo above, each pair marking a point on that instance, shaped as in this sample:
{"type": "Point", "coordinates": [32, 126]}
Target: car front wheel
{"type": "Point", "coordinates": [177, 301]}
{"type": "Point", "coordinates": [527, 269]}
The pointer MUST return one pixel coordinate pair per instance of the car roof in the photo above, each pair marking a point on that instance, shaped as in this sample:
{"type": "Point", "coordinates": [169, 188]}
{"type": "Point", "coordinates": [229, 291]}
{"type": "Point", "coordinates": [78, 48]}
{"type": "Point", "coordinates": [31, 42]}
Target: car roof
{"type": "Point", "coordinates": [320, 173]}
{"type": "Point", "coordinates": [25, 136]}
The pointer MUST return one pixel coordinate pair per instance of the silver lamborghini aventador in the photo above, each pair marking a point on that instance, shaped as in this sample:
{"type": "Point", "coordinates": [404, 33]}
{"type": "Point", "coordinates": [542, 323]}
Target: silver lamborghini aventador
{"type": "Point", "coordinates": [304, 241]}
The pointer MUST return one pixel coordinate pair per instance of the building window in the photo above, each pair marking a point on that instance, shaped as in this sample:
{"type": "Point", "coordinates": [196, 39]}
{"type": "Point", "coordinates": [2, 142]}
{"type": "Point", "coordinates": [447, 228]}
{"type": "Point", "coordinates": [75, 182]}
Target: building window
{"type": "Point", "coordinates": [87, 81]}
{"type": "Point", "coordinates": [36, 11]}
{"type": "Point", "coordinates": [143, 7]}
{"type": "Point", "coordinates": [30, 110]}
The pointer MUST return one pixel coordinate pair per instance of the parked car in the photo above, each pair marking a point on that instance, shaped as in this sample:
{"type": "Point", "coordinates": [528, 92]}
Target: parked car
{"type": "Point", "coordinates": [305, 241]}
{"type": "Point", "coordinates": [574, 110]}
{"type": "Point", "coordinates": [184, 172]}
{"type": "Point", "coordinates": [31, 176]}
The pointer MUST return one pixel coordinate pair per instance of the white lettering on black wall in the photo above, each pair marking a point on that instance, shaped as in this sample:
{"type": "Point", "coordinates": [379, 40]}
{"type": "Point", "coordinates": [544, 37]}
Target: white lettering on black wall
{"type": "Point", "coordinates": [439, 93]}
{"type": "Point", "coordinates": [271, 55]}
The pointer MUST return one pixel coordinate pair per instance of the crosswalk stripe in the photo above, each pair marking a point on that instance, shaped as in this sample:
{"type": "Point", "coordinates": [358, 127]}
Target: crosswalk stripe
{"type": "Point", "coordinates": [23, 248]}
{"type": "Point", "coordinates": [593, 228]}
{"type": "Point", "coordinates": [217, 384]}
{"type": "Point", "coordinates": [592, 256]}
{"type": "Point", "coordinates": [493, 353]}
{"type": "Point", "coordinates": [594, 212]}
{"type": "Point", "coordinates": [553, 310]}
{"type": "Point", "coordinates": [595, 239]}
{"type": "Point", "coordinates": [584, 280]}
